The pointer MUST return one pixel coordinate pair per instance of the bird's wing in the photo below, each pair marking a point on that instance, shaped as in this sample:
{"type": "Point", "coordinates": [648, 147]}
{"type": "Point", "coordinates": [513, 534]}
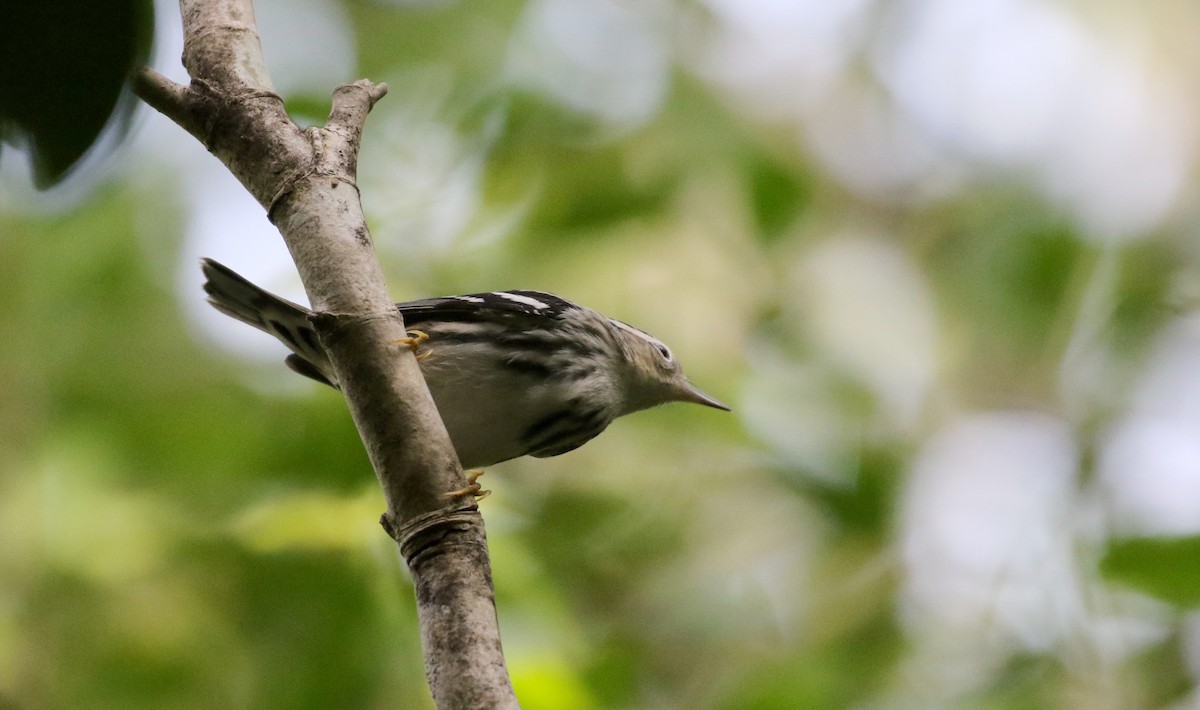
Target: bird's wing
{"type": "Point", "coordinates": [493, 306]}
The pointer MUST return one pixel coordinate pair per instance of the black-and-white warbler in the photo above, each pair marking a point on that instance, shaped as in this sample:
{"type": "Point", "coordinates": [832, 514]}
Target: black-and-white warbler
{"type": "Point", "coordinates": [511, 372]}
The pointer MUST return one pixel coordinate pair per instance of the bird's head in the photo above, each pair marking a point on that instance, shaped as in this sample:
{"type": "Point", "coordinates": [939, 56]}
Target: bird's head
{"type": "Point", "coordinates": [653, 375]}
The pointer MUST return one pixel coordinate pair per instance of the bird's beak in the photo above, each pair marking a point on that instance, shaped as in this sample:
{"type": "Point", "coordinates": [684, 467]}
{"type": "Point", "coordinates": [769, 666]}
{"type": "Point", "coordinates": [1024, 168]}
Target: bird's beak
{"type": "Point", "coordinates": [688, 393]}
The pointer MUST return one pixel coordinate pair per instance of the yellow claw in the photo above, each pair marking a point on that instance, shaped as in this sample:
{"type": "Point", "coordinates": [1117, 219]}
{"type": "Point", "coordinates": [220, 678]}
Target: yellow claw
{"type": "Point", "coordinates": [413, 341]}
{"type": "Point", "coordinates": [473, 488]}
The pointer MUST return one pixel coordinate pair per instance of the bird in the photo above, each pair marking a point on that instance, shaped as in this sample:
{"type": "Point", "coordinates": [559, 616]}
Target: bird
{"type": "Point", "coordinates": [513, 373]}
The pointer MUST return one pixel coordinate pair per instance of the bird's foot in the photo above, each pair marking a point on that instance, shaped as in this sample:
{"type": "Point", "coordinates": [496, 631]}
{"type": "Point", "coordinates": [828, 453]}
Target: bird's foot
{"type": "Point", "coordinates": [472, 488]}
{"type": "Point", "coordinates": [413, 341]}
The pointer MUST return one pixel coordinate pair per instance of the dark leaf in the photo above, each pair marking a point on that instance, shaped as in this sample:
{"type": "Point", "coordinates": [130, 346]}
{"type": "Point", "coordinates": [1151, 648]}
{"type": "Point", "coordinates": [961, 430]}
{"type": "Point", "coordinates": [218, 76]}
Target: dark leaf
{"type": "Point", "coordinates": [63, 65]}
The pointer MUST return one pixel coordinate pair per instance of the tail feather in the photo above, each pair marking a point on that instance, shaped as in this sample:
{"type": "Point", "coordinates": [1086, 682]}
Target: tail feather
{"type": "Point", "coordinates": [237, 298]}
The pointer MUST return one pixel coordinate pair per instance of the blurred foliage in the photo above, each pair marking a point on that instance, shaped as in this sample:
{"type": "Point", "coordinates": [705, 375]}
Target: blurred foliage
{"type": "Point", "coordinates": [63, 66]}
{"type": "Point", "coordinates": [962, 467]}
{"type": "Point", "coordinates": [1165, 567]}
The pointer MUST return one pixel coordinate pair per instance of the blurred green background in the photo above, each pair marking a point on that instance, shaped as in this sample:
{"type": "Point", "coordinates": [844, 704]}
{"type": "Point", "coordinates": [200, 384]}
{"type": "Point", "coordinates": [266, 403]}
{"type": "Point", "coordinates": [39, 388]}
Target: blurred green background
{"type": "Point", "coordinates": [939, 256]}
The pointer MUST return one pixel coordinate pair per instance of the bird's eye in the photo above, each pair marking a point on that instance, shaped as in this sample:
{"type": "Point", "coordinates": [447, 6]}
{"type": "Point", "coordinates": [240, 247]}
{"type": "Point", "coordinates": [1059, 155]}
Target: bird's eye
{"type": "Point", "coordinates": [664, 351]}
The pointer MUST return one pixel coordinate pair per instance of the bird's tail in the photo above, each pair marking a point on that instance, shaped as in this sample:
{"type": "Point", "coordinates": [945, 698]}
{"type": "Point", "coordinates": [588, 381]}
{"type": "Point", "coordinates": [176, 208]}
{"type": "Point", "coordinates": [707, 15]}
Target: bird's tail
{"type": "Point", "coordinates": [237, 298]}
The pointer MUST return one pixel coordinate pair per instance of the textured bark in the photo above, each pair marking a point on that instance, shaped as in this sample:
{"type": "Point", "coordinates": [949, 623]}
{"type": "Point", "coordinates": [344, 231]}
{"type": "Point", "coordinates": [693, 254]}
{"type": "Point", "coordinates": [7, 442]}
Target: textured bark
{"type": "Point", "coordinates": [305, 178]}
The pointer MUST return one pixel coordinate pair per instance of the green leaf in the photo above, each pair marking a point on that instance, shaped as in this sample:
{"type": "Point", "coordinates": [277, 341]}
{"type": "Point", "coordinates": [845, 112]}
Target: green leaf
{"type": "Point", "coordinates": [1164, 567]}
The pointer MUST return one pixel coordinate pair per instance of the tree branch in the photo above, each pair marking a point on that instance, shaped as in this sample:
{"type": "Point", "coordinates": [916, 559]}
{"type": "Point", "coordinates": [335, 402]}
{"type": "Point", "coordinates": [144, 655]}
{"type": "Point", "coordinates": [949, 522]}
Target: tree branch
{"type": "Point", "coordinates": [306, 181]}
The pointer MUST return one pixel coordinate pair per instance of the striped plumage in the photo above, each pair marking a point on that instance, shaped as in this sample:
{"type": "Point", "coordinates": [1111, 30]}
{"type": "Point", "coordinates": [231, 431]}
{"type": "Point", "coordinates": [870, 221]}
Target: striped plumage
{"type": "Point", "coordinates": [512, 372]}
